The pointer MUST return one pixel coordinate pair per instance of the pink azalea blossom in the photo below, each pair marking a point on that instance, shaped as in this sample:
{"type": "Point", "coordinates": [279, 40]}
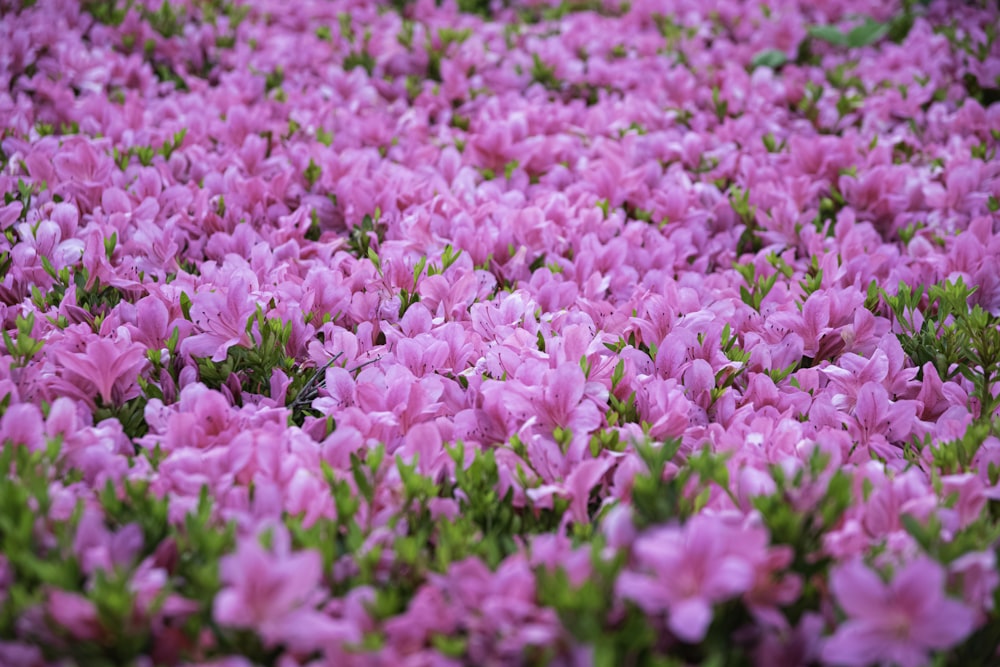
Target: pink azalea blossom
{"type": "Point", "coordinates": [898, 622]}
{"type": "Point", "coordinates": [692, 568]}
{"type": "Point", "coordinates": [271, 593]}
{"type": "Point", "coordinates": [222, 319]}
{"type": "Point", "coordinates": [105, 368]}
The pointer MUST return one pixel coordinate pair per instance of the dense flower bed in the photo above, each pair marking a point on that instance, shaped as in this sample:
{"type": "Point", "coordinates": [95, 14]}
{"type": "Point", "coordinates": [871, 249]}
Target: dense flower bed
{"type": "Point", "coordinates": [499, 333]}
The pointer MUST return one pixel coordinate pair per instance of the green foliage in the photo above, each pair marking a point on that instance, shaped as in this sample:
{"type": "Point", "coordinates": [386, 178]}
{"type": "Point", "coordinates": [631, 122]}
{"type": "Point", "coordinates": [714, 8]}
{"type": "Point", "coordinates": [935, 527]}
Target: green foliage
{"type": "Point", "coordinates": [435, 54]}
{"type": "Point", "coordinates": [982, 646]}
{"type": "Point", "coordinates": [953, 457]}
{"type": "Point", "coordinates": [907, 233]}
{"type": "Point", "coordinates": [619, 411]}
{"type": "Point", "coordinates": [47, 129]}
{"type": "Point", "coordinates": [803, 528]}
{"type": "Point", "coordinates": [828, 33]}
{"type": "Point", "coordinates": [757, 287]}
{"type": "Point", "coordinates": [943, 330]}
{"type": "Point", "coordinates": [981, 535]}
{"type": "Point", "coordinates": [494, 517]}
{"type": "Point", "coordinates": [360, 58]}
{"type": "Point", "coordinates": [721, 108]}
{"type": "Point", "coordinates": [481, 7]}
{"type": "Point", "coordinates": [808, 104]}
{"type": "Point", "coordinates": [448, 257]}
{"type": "Point", "coordinates": [312, 174]}
{"type": "Point", "coordinates": [585, 610]}
{"type": "Point", "coordinates": [360, 239]}
{"type": "Point", "coordinates": [146, 154]}
{"type": "Point", "coordinates": [813, 279]}
{"type": "Point", "coordinates": [866, 33]}
{"type": "Point", "coordinates": [107, 12]}
{"type": "Point", "coordinates": [300, 404]}
{"type": "Point", "coordinates": [508, 169]}
{"type": "Point", "coordinates": [167, 21]}
{"type": "Point", "coordinates": [23, 347]}
{"type": "Point", "coordinates": [167, 74]}
{"type": "Point", "coordinates": [95, 299]}
{"type": "Point", "coordinates": [772, 58]}
{"type": "Point", "coordinates": [24, 193]}
{"type": "Point", "coordinates": [749, 241]}
{"type": "Point", "coordinates": [486, 526]}
{"type": "Point", "coordinates": [771, 144]}
{"type": "Point", "coordinates": [253, 366]}
{"type": "Point", "coordinates": [549, 12]}
{"type": "Point", "coordinates": [39, 554]}
{"type": "Point", "coordinates": [408, 297]}
{"type": "Point", "coordinates": [131, 414]}
{"type": "Point", "coordinates": [544, 74]}
{"type": "Point", "coordinates": [727, 376]}
{"type": "Point", "coordinates": [33, 560]}
{"type": "Point", "coordinates": [274, 79]}
{"type": "Point", "coordinates": [656, 500]}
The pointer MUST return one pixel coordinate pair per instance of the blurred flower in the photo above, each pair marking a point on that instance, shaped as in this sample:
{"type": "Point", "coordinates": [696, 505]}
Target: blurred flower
{"type": "Point", "coordinates": [898, 622]}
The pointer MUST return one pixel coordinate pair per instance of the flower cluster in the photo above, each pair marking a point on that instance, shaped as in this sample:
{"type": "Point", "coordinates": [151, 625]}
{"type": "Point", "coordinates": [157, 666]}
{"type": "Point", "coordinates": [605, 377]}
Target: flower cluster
{"type": "Point", "coordinates": [499, 332]}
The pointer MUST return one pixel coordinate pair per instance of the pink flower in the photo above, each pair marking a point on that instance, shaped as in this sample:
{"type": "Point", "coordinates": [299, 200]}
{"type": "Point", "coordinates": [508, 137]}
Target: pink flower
{"type": "Point", "coordinates": [84, 170]}
{"type": "Point", "coordinates": [897, 622]}
{"type": "Point", "coordinates": [97, 547]}
{"type": "Point", "coordinates": [794, 648]}
{"type": "Point", "coordinates": [662, 404]}
{"type": "Point", "coordinates": [21, 424]}
{"type": "Point", "coordinates": [693, 567]}
{"type": "Point", "coordinates": [876, 415]}
{"type": "Point", "coordinates": [75, 613]}
{"type": "Point", "coordinates": [108, 368]}
{"type": "Point", "coordinates": [222, 319]}
{"type": "Point", "coordinates": [261, 588]}
{"type": "Point", "coordinates": [560, 398]}
{"type": "Point", "coordinates": [17, 653]}
{"type": "Point", "coordinates": [977, 572]}
{"type": "Point", "coordinates": [271, 592]}
{"type": "Point", "coordinates": [578, 485]}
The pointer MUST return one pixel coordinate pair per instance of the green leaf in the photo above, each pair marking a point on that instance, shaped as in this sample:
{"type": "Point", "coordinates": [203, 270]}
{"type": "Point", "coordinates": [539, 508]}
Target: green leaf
{"type": "Point", "coordinates": [829, 34]}
{"type": "Point", "coordinates": [867, 34]}
{"type": "Point", "coordinates": [772, 58]}
{"type": "Point", "coordinates": [185, 302]}
{"type": "Point", "coordinates": [312, 173]}
{"type": "Point", "coordinates": [110, 244]}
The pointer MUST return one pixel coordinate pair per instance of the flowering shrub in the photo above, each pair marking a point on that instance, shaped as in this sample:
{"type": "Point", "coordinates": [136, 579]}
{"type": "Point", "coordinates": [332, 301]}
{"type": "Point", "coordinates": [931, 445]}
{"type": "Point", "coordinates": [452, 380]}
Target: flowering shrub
{"type": "Point", "coordinates": [508, 332]}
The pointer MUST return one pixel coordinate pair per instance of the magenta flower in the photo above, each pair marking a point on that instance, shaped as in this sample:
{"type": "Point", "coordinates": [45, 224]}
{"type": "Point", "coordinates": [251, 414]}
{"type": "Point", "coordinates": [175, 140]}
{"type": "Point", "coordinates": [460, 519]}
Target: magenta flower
{"type": "Point", "coordinates": [898, 622]}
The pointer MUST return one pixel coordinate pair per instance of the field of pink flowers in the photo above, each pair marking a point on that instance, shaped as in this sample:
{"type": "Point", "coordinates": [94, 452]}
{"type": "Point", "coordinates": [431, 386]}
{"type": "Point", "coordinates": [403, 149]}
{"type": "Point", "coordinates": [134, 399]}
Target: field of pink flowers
{"type": "Point", "coordinates": [499, 333]}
